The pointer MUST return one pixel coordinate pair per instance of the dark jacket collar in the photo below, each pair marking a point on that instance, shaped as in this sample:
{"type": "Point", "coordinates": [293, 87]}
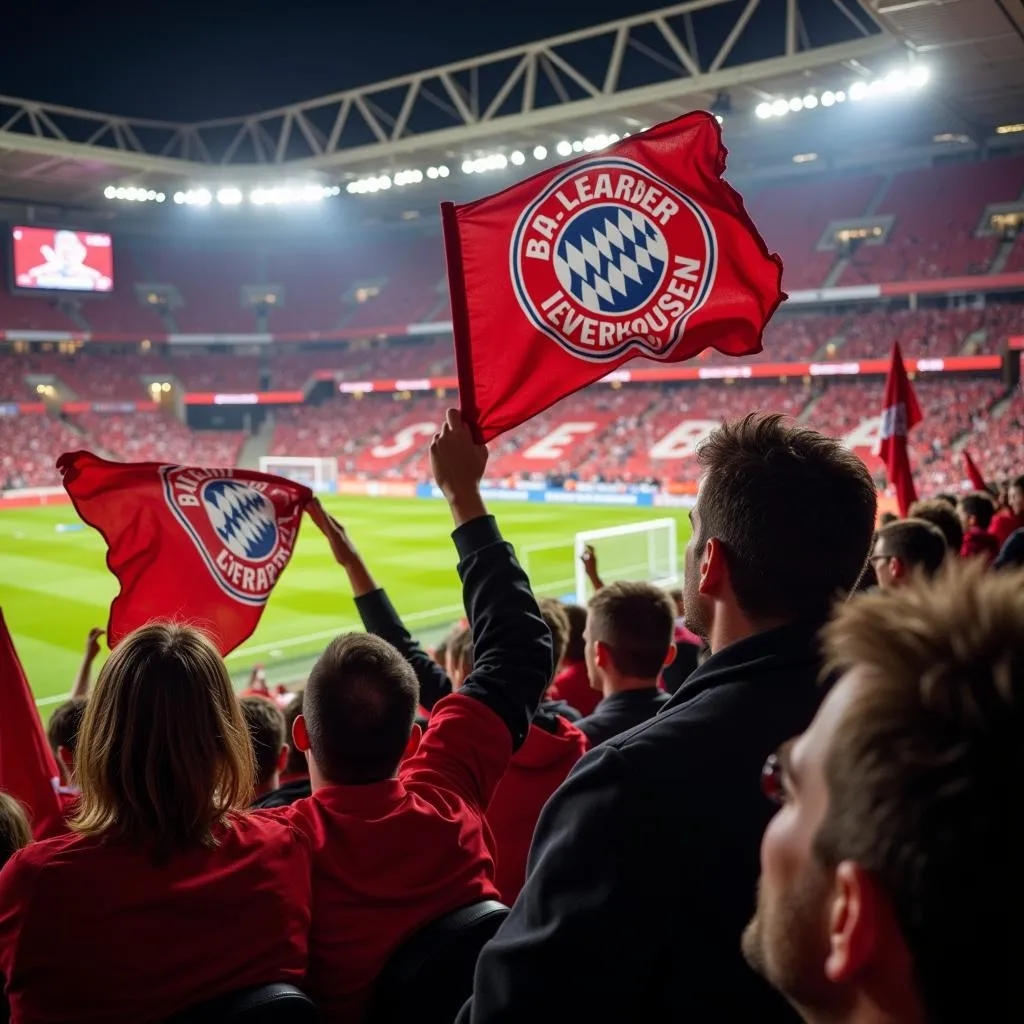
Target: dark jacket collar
{"type": "Point", "coordinates": [629, 698]}
{"type": "Point", "coordinates": [772, 651]}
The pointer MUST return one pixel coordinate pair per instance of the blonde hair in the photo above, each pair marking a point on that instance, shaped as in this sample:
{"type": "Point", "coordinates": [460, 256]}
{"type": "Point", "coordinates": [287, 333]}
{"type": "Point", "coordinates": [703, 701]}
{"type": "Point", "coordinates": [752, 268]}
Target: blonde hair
{"type": "Point", "coordinates": [15, 831]}
{"type": "Point", "coordinates": [163, 755]}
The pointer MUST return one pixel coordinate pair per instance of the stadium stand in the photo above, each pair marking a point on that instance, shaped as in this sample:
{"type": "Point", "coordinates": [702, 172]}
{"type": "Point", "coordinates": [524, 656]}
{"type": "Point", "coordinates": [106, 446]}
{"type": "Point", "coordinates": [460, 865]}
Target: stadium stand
{"type": "Point", "coordinates": [158, 437]}
{"type": "Point", "coordinates": [29, 446]}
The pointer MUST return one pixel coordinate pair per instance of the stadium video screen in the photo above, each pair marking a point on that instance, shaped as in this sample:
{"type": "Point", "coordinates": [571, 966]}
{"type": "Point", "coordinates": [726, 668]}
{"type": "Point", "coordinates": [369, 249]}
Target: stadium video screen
{"type": "Point", "coordinates": [57, 259]}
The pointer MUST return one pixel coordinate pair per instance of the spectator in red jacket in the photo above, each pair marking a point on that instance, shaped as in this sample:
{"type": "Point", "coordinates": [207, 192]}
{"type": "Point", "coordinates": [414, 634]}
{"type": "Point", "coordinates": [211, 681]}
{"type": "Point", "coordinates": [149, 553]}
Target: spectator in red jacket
{"type": "Point", "coordinates": [148, 906]}
{"type": "Point", "coordinates": [1010, 516]}
{"type": "Point", "coordinates": [397, 827]}
{"type": "Point", "coordinates": [572, 683]}
{"type": "Point", "coordinates": [889, 872]}
{"type": "Point", "coordinates": [265, 723]}
{"type": "Point", "coordinates": [15, 831]}
{"type": "Point", "coordinates": [976, 511]}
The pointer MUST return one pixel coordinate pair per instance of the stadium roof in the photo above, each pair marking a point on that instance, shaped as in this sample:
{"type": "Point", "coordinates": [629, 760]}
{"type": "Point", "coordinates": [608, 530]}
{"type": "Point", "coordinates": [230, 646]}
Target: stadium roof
{"type": "Point", "coordinates": [613, 78]}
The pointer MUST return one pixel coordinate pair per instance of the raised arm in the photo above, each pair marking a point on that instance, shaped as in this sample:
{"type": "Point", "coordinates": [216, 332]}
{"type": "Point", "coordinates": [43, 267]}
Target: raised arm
{"type": "Point", "coordinates": [512, 650]}
{"type": "Point", "coordinates": [376, 610]}
{"type": "Point", "coordinates": [84, 677]}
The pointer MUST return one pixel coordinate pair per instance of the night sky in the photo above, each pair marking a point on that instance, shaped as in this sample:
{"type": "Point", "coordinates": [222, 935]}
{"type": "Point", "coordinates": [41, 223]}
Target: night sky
{"type": "Point", "coordinates": [191, 60]}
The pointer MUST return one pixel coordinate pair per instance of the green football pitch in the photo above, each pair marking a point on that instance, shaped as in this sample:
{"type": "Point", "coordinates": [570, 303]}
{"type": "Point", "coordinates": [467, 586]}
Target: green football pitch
{"type": "Point", "coordinates": [54, 584]}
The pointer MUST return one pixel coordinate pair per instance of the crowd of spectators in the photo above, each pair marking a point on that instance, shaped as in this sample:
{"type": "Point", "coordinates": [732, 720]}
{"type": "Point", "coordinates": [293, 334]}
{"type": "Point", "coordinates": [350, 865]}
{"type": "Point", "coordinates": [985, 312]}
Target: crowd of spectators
{"type": "Point", "coordinates": [836, 853]}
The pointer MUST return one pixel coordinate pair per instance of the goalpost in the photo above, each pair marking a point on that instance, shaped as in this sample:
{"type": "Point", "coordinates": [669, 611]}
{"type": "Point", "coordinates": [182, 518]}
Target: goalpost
{"type": "Point", "coordinates": [321, 474]}
{"type": "Point", "coordinates": [634, 551]}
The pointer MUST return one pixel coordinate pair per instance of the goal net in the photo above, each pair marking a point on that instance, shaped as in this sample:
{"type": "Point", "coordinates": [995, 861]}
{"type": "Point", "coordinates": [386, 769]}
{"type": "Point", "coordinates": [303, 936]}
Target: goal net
{"type": "Point", "coordinates": [633, 551]}
{"type": "Point", "coordinates": [321, 474]}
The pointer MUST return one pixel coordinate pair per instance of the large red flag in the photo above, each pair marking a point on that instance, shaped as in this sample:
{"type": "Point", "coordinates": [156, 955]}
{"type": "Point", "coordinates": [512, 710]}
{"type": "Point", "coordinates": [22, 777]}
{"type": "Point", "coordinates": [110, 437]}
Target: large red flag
{"type": "Point", "coordinates": [973, 473]}
{"type": "Point", "coordinates": [199, 545]}
{"type": "Point", "coordinates": [28, 770]}
{"type": "Point", "coordinates": [900, 413]}
{"type": "Point", "coordinates": [641, 249]}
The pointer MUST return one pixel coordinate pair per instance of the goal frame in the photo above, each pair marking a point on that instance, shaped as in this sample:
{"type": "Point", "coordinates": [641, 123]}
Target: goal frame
{"type": "Point", "coordinates": [323, 482]}
{"type": "Point", "coordinates": [648, 526]}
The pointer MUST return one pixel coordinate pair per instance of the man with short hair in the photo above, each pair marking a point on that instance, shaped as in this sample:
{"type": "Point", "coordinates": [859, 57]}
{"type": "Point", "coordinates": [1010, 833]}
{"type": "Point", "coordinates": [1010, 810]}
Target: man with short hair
{"type": "Point", "coordinates": [265, 723]}
{"type": "Point", "coordinates": [629, 641]}
{"type": "Point", "coordinates": [976, 511]}
{"type": "Point", "coordinates": [396, 822]}
{"type": "Point", "coordinates": [644, 862]}
{"type": "Point", "coordinates": [943, 515]}
{"type": "Point", "coordinates": [62, 733]}
{"type": "Point", "coordinates": [890, 873]}
{"type": "Point", "coordinates": [904, 548]}
{"type": "Point", "coordinates": [294, 778]}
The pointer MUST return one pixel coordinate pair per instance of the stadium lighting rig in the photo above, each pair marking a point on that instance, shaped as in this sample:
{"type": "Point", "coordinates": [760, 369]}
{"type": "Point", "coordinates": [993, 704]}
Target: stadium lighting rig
{"type": "Point", "coordinates": [132, 194]}
{"type": "Point", "coordinates": [895, 83]}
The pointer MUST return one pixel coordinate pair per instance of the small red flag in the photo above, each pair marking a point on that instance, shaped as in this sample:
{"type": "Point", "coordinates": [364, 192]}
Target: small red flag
{"type": "Point", "coordinates": [641, 249]}
{"type": "Point", "coordinates": [200, 545]}
{"type": "Point", "coordinates": [28, 770]}
{"type": "Point", "coordinates": [900, 413]}
{"type": "Point", "coordinates": [973, 473]}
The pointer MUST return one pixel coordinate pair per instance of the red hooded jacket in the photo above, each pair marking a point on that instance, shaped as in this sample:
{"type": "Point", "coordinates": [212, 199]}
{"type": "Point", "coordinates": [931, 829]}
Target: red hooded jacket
{"type": "Point", "coordinates": [538, 768]}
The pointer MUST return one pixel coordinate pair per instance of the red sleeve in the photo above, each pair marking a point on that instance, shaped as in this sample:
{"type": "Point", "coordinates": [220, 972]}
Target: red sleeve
{"type": "Point", "coordinates": [17, 883]}
{"type": "Point", "coordinates": [466, 750]}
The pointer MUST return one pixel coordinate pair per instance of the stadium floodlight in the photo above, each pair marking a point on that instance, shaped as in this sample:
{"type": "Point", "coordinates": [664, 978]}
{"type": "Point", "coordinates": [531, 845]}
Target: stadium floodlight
{"type": "Point", "coordinates": [160, 197]}
{"type": "Point", "coordinates": [780, 108]}
{"type": "Point", "coordinates": [858, 91]}
{"type": "Point", "coordinates": [919, 76]}
{"type": "Point", "coordinates": [229, 196]}
{"type": "Point", "coordinates": [109, 192]}
{"type": "Point", "coordinates": [895, 81]}
{"type": "Point", "coordinates": [804, 158]}
{"type": "Point", "coordinates": [840, 96]}
{"type": "Point", "coordinates": [384, 182]}
{"type": "Point", "coordinates": [763, 111]}
{"type": "Point", "coordinates": [431, 173]}
{"type": "Point", "coordinates": [540, 152]}
{"type": "Point", "coordinates": [179, 197]}
{"type": "Point", "coordinates": [796, 104]}
{"type": "Point", "coordinates": [828, 98]}
{"type": "Point", "coordinates": [877, 87]}
{"type": "Point", "coordinates": [468, 166]}
{"type": "Point", "coordinates": [577, 146]}
{"type": "Point", "coordinates": [517, 158]}
{"type": "Point", "coordinates": [564, 148]}
{"type": "Point", "coordinates": [810, 101]}
{"type": "Point", "coordinates": [442, 171]}
{"type": "Point", "coordinates": [613, 138]}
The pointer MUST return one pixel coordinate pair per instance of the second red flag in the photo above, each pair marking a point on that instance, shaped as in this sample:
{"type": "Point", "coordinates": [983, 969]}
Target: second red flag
{"type": "Point", "coordinates": [640, 250]}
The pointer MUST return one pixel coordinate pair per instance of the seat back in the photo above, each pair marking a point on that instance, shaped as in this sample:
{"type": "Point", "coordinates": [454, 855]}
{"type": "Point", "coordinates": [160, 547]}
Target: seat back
{"type": "Point", "coordinates": [276, 1003]}
{"type": "Point", "coordinates": [430, 975]}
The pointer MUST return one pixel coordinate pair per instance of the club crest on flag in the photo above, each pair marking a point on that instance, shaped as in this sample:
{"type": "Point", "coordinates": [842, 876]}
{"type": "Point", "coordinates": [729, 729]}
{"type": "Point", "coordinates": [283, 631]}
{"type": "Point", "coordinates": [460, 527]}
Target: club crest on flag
{"type": "Point", "coordinates": [610, 257]}
{"type": "Point", "coordinates": [243, 534]}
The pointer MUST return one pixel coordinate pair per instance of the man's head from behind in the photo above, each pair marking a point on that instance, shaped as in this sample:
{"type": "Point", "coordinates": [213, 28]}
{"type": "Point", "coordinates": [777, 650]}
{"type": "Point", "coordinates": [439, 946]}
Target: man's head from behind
{"type": "Point", "coordinates": [296, 763]}
{"type": "Point", "coordinates": [782, 525]}
{"type": "Point", "coordinates": [576, 647]}
{"type": "Point", "coordinates": [62, 732]}
{"type": "Point", "coordinates": [943, 515]}
{"type": "Point", "coordinates": [357, 711]}
{"type": "Point", "coordinates": [904, 548]}
{"type": "Point", "coordinates": [976, 510]}
{"type": "Point", "coordinates": [885, 873]}
{"type": "Point", "coordinates": [265, 722]}
{"type": "Point", "coordinates": [629, 633]}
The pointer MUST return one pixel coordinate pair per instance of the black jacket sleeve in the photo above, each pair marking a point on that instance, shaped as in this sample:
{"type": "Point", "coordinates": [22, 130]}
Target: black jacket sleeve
{"type": "Point", "coordinates": [512, 649]}
{"type": "Point", "coordinates": [380, 618]}
{"type": "Point", "coordinates": [591, 897]}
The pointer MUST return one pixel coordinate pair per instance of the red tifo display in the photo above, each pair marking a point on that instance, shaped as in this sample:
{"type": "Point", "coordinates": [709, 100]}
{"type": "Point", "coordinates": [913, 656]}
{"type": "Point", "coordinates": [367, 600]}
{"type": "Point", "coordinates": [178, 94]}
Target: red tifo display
{"type": "Point", "coordinates": [642, 249]}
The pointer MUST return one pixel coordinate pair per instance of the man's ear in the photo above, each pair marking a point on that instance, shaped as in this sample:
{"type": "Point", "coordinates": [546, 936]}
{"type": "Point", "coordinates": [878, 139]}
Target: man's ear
{"type": "Point", "coordinates": [896, 568]}
{"type": "Point", "coordinates": [602, 655]}
{"type": "Point", "coordinates": [282, 757]}
{"type": "Point", "coordinates": [853, 923]}
{"type": "Point", "coordinates": [670, 655]}
{"type": "Point", "coordinates": [415, 735]}
{"type": "Point", "coordinates": [300, 735]}
{"type": "Point", "coordinates": [712, 567]}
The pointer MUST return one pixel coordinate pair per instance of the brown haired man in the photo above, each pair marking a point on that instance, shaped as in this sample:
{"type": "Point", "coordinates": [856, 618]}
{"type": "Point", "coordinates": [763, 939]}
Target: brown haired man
{"type": "Point", "coordinates": [628, 643]}
{"type": "Point", "coordinates": [645, 861]}
{"type": "Point", "coordinates": [265, 722]}
{"type": "Point", "coordinates": [906, 547]}
{"type": "Point", "coordinates": [890, 873]}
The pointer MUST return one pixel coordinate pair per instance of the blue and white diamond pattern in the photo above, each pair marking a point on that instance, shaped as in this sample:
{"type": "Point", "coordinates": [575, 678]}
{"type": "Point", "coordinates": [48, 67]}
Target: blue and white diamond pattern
{"type": "Point", "coordinates": [610, 258]}
{"type": "Point", "coordinates": [243, 518]}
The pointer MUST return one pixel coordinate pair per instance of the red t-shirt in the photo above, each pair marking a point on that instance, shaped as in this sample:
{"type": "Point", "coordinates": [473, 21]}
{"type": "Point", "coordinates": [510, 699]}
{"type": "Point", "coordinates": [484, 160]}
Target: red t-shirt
{"type": "Point", "coordinates": [392, 856]}
{"type": "Point", "coordinates": [538, 768]}
{"type": "Point", "coordinates": [95, 931]}
{"type": "Point", "coordinates": [979, 543]}
{"type": "Point", "coordinates": [1004, 522]}
{"type": "Point", "coordinates": [572, 685]}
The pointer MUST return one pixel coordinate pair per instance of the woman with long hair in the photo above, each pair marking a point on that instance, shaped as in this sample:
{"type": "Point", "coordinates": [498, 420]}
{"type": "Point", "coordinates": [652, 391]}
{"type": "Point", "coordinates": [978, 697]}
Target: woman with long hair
{"type": "Point", "coordinates": [164, 894]}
